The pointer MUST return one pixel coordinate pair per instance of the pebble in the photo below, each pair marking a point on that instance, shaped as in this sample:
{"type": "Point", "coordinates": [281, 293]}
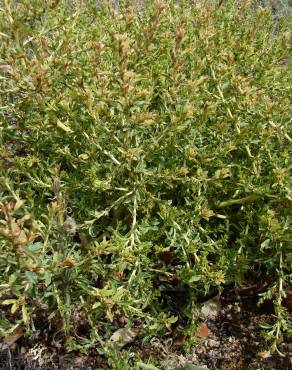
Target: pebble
{"type": "Point", "coordinates": [212, 343]}
{"type": "Point", "coordinates": [237, 308]}
{"type": "Point", "coordinates": [22, 350]}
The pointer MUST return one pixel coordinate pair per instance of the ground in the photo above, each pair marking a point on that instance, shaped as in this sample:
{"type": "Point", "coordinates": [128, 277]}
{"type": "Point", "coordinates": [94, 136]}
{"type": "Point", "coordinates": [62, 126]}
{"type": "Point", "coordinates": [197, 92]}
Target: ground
{"type": "Point", "coordinates": [233, 341]}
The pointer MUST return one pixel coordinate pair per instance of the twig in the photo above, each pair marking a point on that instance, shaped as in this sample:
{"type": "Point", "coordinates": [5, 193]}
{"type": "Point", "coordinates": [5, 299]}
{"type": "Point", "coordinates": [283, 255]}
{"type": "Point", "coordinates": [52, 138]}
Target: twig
{"type": "Point", "coordinates": [248, 199]}
{"type": "Point", "coordinates": [9, 358]}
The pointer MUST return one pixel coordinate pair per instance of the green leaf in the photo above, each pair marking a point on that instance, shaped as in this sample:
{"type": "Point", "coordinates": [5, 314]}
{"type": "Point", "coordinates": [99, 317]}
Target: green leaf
{"type": "Point", "coordinates": [195, 278]}
{"type": "Point", "coordinates": [64, 127]}
{"type": "Point", "coordinates": [34, 247]}
{"type": "Point", "coordinates": [141, 365]}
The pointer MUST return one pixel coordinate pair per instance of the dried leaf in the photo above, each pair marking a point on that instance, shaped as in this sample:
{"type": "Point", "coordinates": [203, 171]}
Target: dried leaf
{"type": "Point", "coordinates": [6, 68]}
{"type": "Point", "coordinates": [202, 330]}
{"type": "Point", "coordinates": [123, 336]}
{"type": "Point", "coordinates": [16, 230]}
{"type": "Point", "coordinates": [10, 339]}
{"type": "Point", "coordinates": [287, 301]}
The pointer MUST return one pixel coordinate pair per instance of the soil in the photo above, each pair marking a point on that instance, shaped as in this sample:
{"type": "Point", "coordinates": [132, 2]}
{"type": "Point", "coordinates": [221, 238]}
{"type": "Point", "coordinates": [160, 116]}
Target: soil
{"type": "Point", "coordinates": [233, 341]}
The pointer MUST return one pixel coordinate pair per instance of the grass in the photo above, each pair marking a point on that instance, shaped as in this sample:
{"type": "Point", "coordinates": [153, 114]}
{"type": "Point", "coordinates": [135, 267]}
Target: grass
{"type": "Point", "coordinates": [141, 148]}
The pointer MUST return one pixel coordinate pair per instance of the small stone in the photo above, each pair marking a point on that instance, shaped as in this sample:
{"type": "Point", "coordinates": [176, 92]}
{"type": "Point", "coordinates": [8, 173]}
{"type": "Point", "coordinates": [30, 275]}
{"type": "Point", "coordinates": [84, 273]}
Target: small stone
{"type": "Point", "coordinates": [211, 308]}
{"type": "Point", "coordinates": [212, 343]}
{"type": "Point", "coordinates": [237, 308]}
{"type": "Point", "coordinates": [22, 350]}
{"type": "Point", "coordinates": [263, 355]}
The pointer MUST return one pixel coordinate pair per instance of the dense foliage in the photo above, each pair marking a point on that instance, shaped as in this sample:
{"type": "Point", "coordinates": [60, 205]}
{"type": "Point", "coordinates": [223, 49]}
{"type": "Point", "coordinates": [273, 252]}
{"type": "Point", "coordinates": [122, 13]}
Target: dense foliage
{"type": "Point", "coordinates": [143, 150]}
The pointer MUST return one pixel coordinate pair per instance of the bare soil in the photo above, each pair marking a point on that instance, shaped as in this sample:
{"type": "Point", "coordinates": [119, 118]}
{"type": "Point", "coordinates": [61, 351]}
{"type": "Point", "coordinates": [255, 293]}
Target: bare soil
{"type": "Point", "coordinates": [234, 342]}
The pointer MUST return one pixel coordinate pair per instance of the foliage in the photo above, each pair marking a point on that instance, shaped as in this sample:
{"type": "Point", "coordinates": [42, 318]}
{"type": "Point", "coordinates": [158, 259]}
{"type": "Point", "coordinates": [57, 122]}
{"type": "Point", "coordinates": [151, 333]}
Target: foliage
{"type": "Point", "coordinates": [141, 148]}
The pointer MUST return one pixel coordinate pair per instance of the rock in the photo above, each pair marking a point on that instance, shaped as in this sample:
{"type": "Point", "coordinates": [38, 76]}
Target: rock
{"type": "Point", "coordinates": [211, 308]}
{"type": "Point", "coordinates": [263, 355]}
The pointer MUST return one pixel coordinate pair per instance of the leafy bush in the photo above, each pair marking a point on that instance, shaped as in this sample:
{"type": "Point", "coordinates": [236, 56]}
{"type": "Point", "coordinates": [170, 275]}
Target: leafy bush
{"type": "Point", "coordinates": [142, 148]}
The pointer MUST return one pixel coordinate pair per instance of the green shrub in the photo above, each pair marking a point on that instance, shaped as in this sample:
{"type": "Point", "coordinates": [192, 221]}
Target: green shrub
{"type": "Point", "coordinates": [141, 147]}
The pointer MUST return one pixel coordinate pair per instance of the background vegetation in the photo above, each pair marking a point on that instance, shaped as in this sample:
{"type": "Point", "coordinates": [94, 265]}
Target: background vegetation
{"type": "Point", "coordinates": [145, 162]}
